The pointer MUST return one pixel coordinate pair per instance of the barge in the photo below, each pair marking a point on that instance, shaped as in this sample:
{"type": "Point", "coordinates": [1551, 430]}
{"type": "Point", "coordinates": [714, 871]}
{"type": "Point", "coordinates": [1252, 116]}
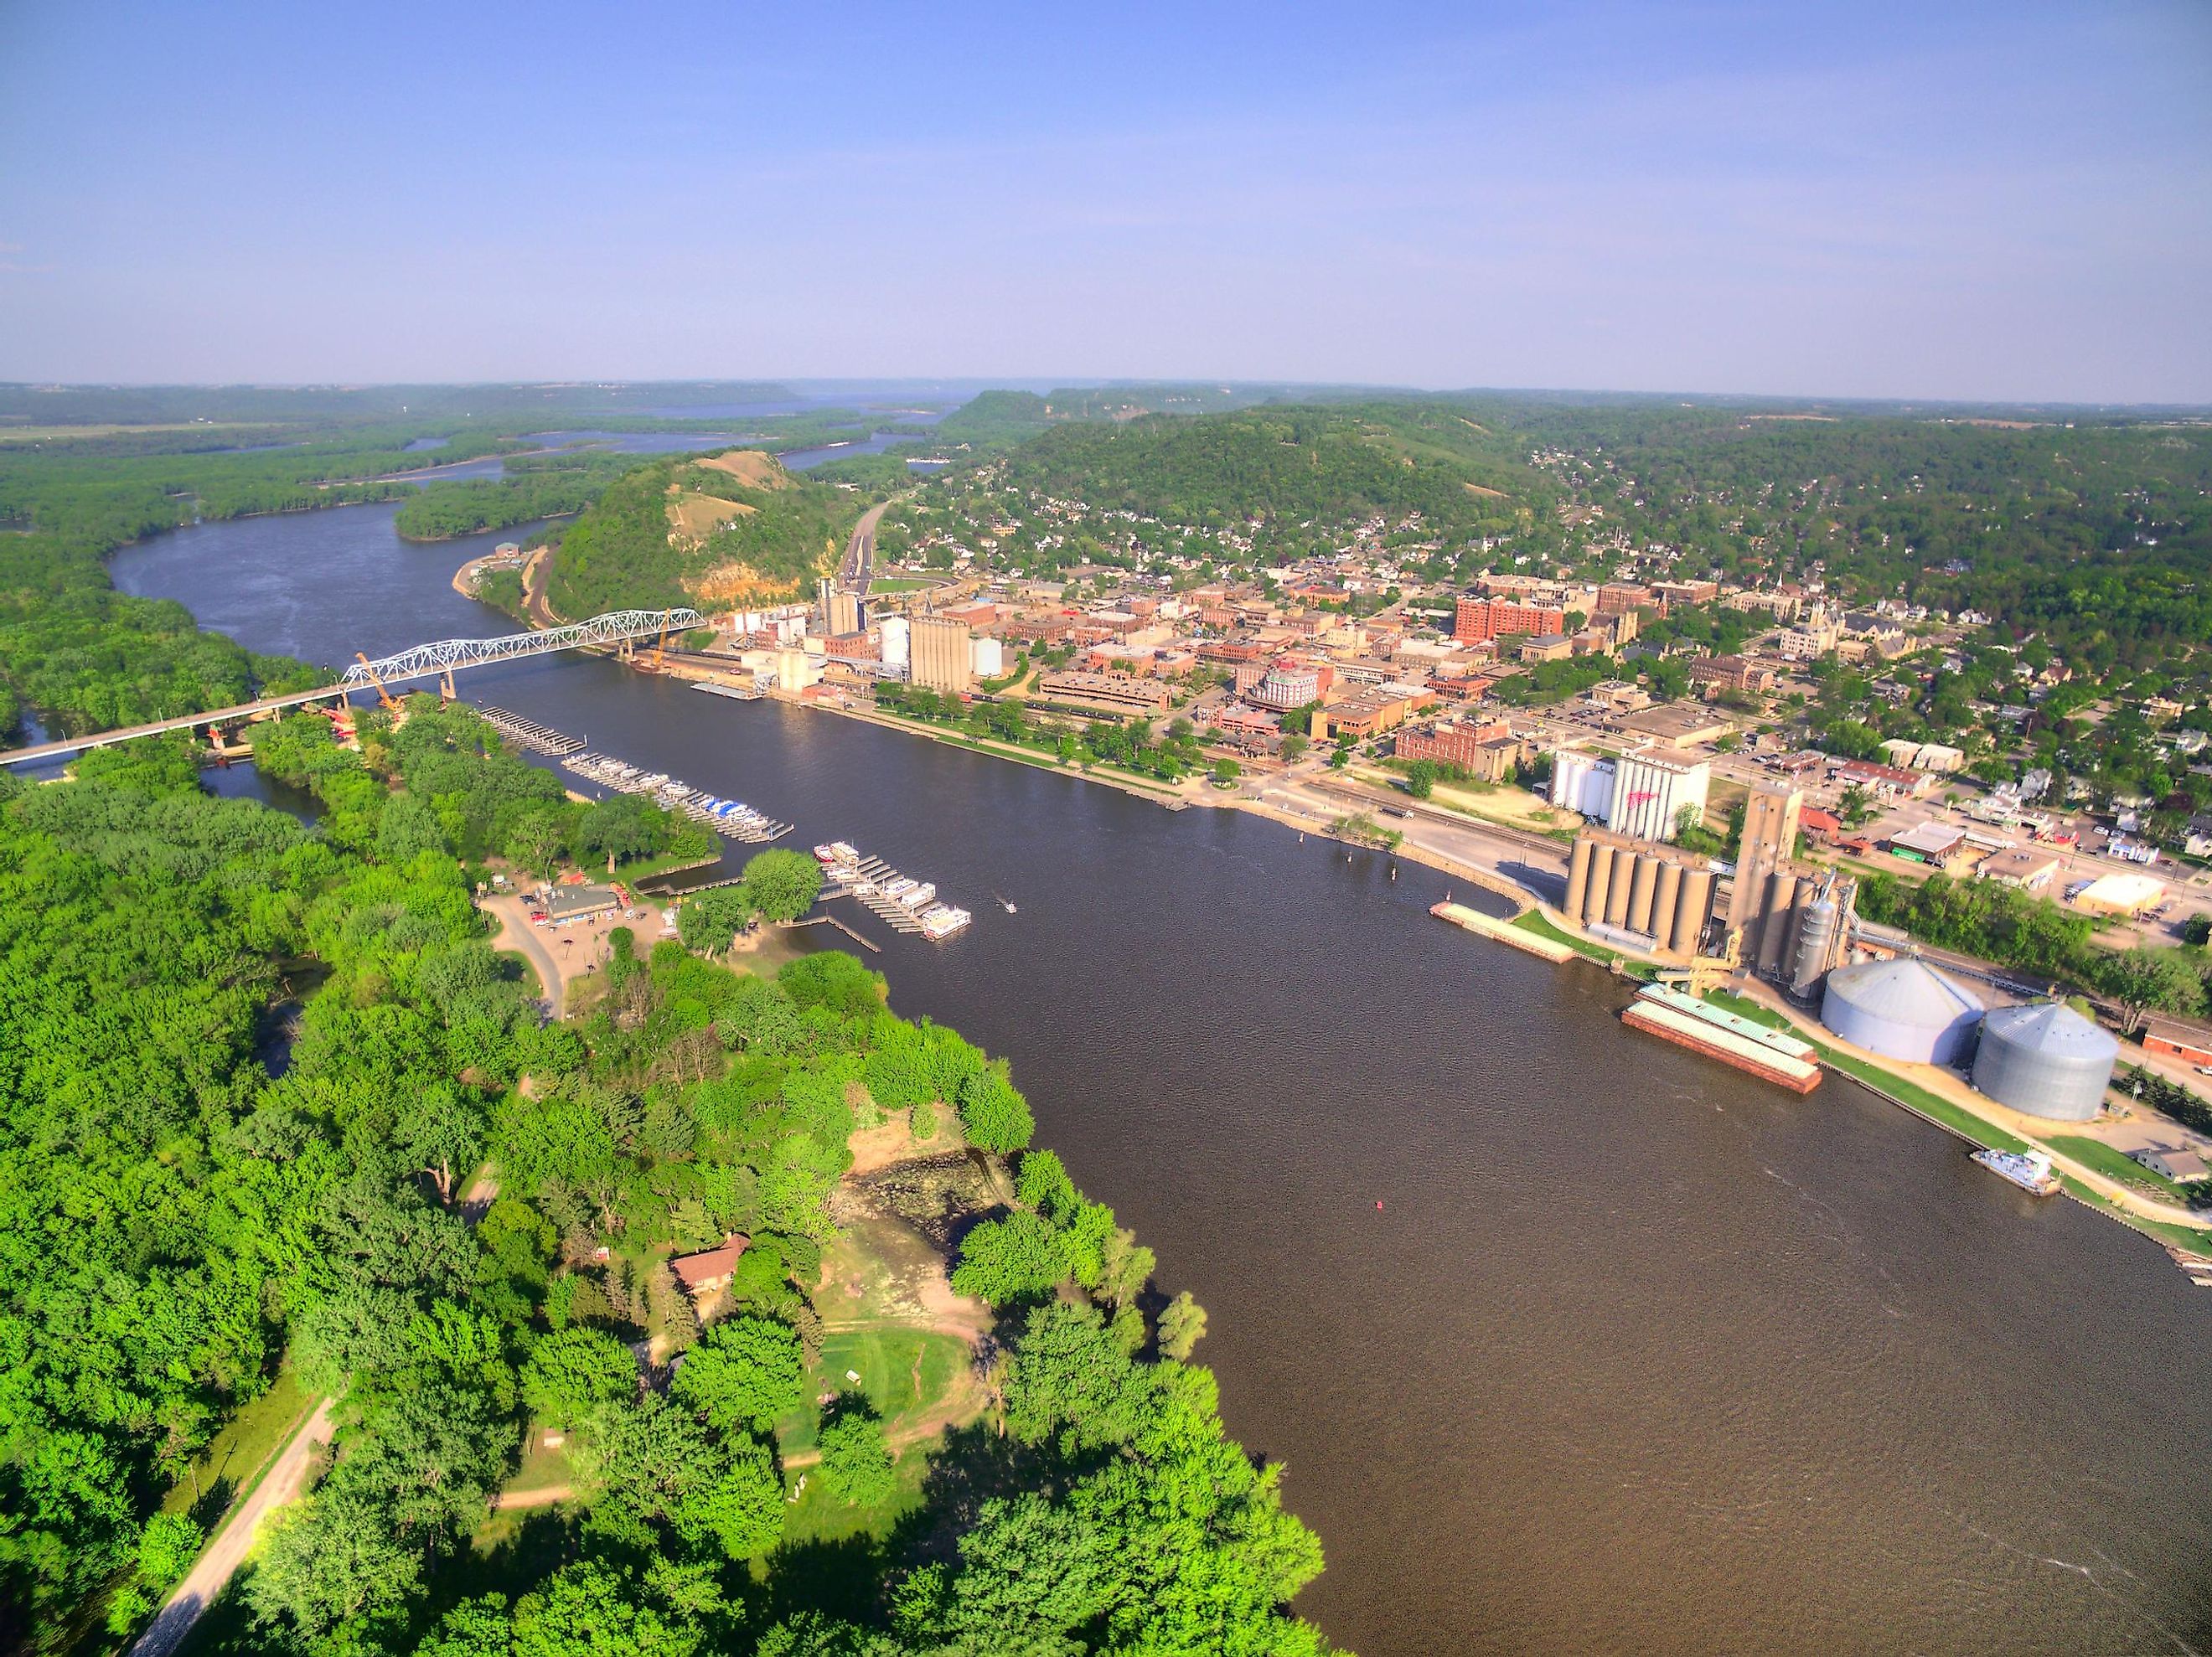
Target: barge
{"type": "Point", "coordinates": [1741, 1043]}
{"type": "Point", "coordinates": [1503, 931]}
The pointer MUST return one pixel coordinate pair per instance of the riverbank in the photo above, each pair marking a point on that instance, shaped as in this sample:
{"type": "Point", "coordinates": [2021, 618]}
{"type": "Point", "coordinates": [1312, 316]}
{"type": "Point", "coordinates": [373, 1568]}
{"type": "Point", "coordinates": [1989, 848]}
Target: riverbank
{"type": "Point", "coordinates": [1940, 1099]}
{"type": "Point", "coordinates": [1934, 1094]}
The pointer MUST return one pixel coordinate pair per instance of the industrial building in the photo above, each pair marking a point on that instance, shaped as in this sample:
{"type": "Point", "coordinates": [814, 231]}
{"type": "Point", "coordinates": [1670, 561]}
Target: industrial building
{"type": "Point", "coordinates": [2045, 1059]}
{"type": "Point", "coordinates": [1582, 783]}
{"type": "Point", "coordinates": [897, 637]}
{"type": "Point", "coordinates": [1652, 791]}
{"type": "Point", "coordinates": [1771, 820]}
{"type": "Point", "coordinates": [1902, 1009]}
{"type": "Point", "coordinates": [1657, 897]}
{"type": "Point", "coordinates": [943, 657]}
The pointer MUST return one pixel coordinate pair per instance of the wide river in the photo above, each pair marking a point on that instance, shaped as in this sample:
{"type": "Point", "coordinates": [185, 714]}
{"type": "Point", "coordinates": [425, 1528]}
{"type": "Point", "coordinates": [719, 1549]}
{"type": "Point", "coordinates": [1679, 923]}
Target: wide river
{"type": "Point", "coordinates": [1569, 1340]}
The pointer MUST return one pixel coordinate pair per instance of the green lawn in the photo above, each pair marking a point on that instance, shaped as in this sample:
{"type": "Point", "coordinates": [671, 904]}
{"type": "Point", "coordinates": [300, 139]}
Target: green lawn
{"type": "Point", "coordinates": [902, 584]}
{"type": "Point", "coordinates": [1744, 1007]}
{"type": "Point", "coordinates": [903, 1373]}
{"type": "Point", "coordinates": [1931, 1105]}
{"type": "Point", "coordinates": [2101, 1159]}
{"type": "Point", "coordinates": [1533, 921]}
{"type": "Point", "coordinates": [817, 1516]}
{"type": "Point", "coordinates": [541, 1468]}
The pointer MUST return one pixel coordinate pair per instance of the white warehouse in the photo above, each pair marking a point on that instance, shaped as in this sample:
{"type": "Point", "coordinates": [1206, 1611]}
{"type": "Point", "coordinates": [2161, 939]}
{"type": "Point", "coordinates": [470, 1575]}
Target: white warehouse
{"type": "Point", "coordinates": [1650, 792]}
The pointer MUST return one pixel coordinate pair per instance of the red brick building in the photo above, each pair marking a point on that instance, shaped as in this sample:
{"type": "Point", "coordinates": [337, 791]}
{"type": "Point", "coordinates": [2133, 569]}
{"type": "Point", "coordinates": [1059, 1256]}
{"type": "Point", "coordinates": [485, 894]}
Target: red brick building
{"type": "Point", "coordinates": [1620, 598]}
{"type": "Point", "coordinates": [1480, 620]}
{"type": "Point", "coordinates": [1450, 742]}
{"type": "Point", "coordinates": [1732, 673]}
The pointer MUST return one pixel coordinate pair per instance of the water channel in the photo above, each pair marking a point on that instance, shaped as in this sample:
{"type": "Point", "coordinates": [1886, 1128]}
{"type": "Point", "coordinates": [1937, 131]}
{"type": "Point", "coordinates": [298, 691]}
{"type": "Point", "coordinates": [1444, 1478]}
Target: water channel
{"type": "Point", "coordinates": [1569, 1340]}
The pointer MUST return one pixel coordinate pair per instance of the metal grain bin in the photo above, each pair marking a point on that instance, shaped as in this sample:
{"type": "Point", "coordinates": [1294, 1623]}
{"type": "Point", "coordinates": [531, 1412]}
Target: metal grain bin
{"type": "Point", "coordinates": [1902, 1009]}
{"type": "Point", "coordinates": [2045, 1059]}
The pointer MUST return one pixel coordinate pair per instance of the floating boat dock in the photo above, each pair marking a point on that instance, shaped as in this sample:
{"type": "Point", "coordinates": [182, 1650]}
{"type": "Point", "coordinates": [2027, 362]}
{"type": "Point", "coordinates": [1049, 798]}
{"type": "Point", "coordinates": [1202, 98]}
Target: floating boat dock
{"type": "Point", "coordinates": [732, 819]}
{"type": "Point", "coordinates": [528, 733]}
{"type": "Point", "coordinates": [1741, 1043]}
{"type": "Point", "coordinates": [899, 901]}
{"type": "Point", "coordinates": [1503, 931]}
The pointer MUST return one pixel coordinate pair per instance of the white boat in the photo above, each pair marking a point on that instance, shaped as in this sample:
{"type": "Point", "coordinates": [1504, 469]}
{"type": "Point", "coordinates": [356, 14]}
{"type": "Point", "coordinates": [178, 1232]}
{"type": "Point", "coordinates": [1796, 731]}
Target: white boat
{"type": "Point", "coordinates": [843, 852]}
{"type": "Point", "coordinates": [919, 895]}
{"type": "Point", "coordinates": [1004, 904]}
{"type": "Point", "coordinates": [944, 920]}
{"type": "Point", "coordinates": [2030, 1171]}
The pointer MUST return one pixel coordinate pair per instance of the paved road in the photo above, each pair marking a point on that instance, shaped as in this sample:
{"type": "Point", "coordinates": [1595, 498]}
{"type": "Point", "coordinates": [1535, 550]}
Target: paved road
{"type": "Point", "coordinates": [860, 551]}
{"type": "Point", "coordinates": [204, 1583]}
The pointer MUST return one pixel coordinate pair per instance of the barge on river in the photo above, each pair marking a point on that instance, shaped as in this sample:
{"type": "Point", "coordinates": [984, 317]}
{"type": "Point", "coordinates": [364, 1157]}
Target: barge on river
{"type": "Point", "coordinates": [1741, 1043]}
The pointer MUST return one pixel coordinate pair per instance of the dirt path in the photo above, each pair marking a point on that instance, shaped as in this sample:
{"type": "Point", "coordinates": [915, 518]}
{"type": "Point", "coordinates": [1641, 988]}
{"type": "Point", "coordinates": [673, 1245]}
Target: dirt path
{"type": "Point", "coordinates": [203, 1584]}
{"type": "Point", "coordinates": [544, 1496]}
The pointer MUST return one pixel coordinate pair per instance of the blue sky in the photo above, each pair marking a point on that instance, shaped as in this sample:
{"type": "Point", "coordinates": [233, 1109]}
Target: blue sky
{"type": "Point", "coordinates": [1999, 201]}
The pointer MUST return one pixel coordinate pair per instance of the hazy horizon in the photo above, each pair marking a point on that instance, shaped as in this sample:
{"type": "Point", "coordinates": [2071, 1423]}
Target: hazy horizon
{"type": "Point", "coordinates": [1997, 204]}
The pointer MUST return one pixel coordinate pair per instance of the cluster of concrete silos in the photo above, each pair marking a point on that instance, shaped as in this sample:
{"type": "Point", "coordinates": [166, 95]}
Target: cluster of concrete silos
{"type": "Point", "coordinates": [1634, 887]}
{"type": "Point", "coordinates": [1799, 929]}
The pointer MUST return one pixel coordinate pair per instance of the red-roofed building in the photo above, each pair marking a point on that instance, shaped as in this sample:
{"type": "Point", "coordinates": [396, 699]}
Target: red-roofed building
{"type": "Point", "coordinates": [710, 1268]}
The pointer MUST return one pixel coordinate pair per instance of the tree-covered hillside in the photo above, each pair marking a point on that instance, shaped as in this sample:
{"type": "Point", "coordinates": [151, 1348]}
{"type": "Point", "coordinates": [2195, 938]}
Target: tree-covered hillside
{"type": "Point", "coordinates": [1281, 464]}
{"type": "Point", "coordinates": [250, 1068]}
{"type": "Point", "coordinates": [683, 530]}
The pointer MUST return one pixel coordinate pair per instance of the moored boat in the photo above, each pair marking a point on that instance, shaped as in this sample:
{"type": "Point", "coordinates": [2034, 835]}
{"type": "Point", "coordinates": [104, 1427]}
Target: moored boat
{"type": "Point", "coordinates": [2029, 1170]}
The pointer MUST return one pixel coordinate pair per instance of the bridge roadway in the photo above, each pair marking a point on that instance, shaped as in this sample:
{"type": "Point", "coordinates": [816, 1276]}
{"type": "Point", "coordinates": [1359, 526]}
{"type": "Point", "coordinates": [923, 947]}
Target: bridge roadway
{"type": "Point", "coordinates": [446, 657]}
{"type": "Point", "coordinates": [243, 710]}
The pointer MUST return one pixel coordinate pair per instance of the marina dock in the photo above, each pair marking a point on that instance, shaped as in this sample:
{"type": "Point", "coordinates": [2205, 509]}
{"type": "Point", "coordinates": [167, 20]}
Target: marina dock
{"type": "Point", "coordinates": [899, 901]}
{"type": "Point", "coordinates": [732, 819]}
{"type": "Point", "coordinates": [528, 733]}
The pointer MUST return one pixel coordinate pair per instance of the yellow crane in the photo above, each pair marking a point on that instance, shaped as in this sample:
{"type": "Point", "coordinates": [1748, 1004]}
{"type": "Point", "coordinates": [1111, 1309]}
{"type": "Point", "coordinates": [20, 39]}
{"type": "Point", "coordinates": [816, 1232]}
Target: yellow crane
{"type": "Point", "coordinates": [383, 696]}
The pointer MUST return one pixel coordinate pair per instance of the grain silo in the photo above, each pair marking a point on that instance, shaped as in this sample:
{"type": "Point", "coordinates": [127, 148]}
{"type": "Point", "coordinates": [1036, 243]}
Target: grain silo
{"type": "Point", "coordinates": [2045, 1059]}
{"type": "Point", "coordinates": [1901, 1009]}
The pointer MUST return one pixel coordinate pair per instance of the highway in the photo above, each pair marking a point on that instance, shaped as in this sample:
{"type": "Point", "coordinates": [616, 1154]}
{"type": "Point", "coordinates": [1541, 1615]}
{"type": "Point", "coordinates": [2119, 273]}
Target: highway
{"type": "Point", "coordinates": [859, 563]}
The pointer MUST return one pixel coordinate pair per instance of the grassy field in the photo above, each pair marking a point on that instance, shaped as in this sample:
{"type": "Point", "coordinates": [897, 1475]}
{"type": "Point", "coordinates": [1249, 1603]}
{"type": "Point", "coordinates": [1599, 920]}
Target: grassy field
{"type": "Point", "coordinates": [817, 1516]}
{"type": "Point", "coordinates": [904, 1374]}
{"type": "Point", "coordinates": [2101, 1159]}
{"type": "Point", "coordinates": [902, 584]}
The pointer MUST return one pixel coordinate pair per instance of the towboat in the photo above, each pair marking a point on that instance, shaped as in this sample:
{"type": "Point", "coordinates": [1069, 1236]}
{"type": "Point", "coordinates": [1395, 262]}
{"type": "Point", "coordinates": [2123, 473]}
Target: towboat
{"type": "Point", "coordinates": [2030, 1171]}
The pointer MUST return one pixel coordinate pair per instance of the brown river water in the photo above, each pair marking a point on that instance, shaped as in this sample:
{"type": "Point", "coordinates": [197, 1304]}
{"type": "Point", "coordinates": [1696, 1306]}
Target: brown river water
{"type": "Point", "coordinates": [1570, 1341]}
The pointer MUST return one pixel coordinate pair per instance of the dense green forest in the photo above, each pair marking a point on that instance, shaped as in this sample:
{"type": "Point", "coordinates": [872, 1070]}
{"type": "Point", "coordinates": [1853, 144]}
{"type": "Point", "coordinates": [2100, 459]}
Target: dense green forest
{"type": "Point", "coordinates": [535, 486]}
{"type": "Point", "coordinates": [87, 658]}
{"type": "Point", "coordinates": [250, 1065]}
{"type": "Point", "coordinates": [995, 420]}
{"type": "Point", "coordinates": [1284, 464]}
{"type": "Point", "coordinates": [627, 550]}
